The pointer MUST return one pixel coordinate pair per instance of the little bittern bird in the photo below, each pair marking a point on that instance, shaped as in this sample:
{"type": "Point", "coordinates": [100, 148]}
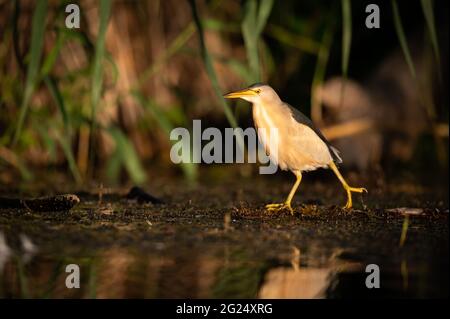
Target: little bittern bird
{"type": "Point", "coordinates": [301, 146]}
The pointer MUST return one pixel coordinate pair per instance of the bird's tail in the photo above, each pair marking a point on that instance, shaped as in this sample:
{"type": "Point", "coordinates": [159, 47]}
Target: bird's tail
{"type": "Point", "coordinates": [336, 155]}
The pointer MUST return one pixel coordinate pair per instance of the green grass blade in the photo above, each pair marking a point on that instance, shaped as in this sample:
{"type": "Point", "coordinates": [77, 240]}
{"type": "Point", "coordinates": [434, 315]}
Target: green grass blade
{"type": "Point", "coordinates": [284, 36]}
{"type": "Point", "coordinates": [427, 7]}
{"type": "Point", "coordinates": [51, 57]}
{"type": "Point", "coordinates": [405, 227]}
{"type": "Point", "coordinates": [66, 143]}
{"type": "Point", "coordinates": [22, 278]}
{"type": "Point", "coordinates": [37, 43]}
{"type": "Point", "coordinates": [207, 61]}
{"type": "Point", "coordinates": [126, 152]}
{"type": "Point", "coordinates": [265, 8]}
{"type": "Point", "coordinates": [190, 170]}
{"type": "Point", "coordinates": [319, 72]}
{"type": "Point", "coordinates": [66, 147]}
{"type": "Point", "coordinates": [175, 46]}
{"type": "Point", "coordinates": [113, 166]}
{"type": "Point", "coordinates": [402, 38]}
{"type": "Point", "coordinates": [97, 73]}
{"type": "Point", "coordinates": [253, 23]}
{"type": "Point", "coordinates": [154, 109]}
{"type": "Point", "coordinates": [10, 157]}
{"type": "Point", "coordinates": [346, 35]}
{"type": "Point", "coordinates": [222, 26]}
{"type": "Point", "coordinates": [56, 95]}
{"type": "Point", "coordinates": [250, 38]}
{"type": "Point", "coordinates": [427, 103]}
{"type": "Point", "coordinates": [238, 68]}
{"type": "Point", "coordinates": [48, 142]}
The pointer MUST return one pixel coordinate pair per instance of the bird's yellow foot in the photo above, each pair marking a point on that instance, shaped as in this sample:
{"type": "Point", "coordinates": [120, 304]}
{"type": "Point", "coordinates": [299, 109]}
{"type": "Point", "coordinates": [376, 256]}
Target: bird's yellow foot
{"type": "Point", "coordinates": [279, 207]}
{"type": "Point", "coordinates": [349, 190]}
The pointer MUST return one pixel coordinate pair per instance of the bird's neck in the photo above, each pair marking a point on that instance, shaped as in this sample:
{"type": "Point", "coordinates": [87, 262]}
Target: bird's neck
{"type": "Point", "coordinates": [261, 117]}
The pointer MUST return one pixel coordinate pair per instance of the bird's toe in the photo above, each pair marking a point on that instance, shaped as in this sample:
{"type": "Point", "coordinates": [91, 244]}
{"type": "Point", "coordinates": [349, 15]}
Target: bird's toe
{"type": "Point", "coordinates": [274, 207]}
{"type": "Point", "coordinates": [279, 207]}
{"type": "Point", "coordinates": [358, 189]}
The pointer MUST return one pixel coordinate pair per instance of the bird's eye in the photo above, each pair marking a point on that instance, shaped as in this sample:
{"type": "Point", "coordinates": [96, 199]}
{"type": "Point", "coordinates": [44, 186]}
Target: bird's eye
{"type": "Point", "coordinates": [258, 91]}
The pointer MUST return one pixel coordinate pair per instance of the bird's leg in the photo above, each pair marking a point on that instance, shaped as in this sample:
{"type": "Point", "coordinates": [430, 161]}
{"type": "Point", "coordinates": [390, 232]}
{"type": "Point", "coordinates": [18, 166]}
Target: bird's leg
{"type": "Point", "coordinates": [287, 203]}
{"type": "Point", "coordinates": [347, 188]}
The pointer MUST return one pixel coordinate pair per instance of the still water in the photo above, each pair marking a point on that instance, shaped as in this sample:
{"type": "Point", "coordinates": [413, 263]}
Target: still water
{"type": "Point", "coordinates": [144, 253]}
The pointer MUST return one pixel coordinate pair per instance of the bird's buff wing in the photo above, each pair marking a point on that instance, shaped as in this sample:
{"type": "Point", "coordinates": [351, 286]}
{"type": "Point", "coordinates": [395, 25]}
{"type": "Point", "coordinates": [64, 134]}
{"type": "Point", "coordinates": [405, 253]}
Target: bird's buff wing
{"type": "Point", "coordinates": [301, 118]}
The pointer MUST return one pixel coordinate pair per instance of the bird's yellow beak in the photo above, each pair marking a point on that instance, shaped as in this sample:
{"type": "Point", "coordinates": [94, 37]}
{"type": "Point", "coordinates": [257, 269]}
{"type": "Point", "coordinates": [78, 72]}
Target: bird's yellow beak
{"type": "Point", "coordinates": [240, 93]}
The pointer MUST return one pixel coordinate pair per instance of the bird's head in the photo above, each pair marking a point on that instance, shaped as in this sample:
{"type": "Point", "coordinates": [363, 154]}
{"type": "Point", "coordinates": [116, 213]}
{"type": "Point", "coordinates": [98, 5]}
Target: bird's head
{"type": "Point", "coordinates": [256, 93]}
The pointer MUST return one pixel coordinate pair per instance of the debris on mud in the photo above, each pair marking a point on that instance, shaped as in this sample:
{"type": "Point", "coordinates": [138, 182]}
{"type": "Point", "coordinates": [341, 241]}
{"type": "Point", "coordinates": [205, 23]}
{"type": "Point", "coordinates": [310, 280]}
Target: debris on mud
{"type": "Point", "coordinates": [56, 203]}
{"type": "Point", "coordinates": [139, 195]}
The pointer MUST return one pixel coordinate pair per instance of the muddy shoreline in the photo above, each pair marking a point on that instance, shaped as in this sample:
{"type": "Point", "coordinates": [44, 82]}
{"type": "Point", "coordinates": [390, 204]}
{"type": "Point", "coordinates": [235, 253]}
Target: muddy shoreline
{"type": "Point", "coordinates": [216, 240]}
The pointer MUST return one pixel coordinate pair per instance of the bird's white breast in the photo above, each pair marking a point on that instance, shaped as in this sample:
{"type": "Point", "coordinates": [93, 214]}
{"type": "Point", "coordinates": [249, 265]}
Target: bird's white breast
{"type": "Point", "coordinates": [298, 146]}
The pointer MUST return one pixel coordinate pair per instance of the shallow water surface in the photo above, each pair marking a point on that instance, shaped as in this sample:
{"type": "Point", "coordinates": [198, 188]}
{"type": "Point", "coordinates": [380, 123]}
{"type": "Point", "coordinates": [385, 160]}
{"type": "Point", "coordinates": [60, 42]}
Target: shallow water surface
{"type": "Point", "coordinates": [219, 242]}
